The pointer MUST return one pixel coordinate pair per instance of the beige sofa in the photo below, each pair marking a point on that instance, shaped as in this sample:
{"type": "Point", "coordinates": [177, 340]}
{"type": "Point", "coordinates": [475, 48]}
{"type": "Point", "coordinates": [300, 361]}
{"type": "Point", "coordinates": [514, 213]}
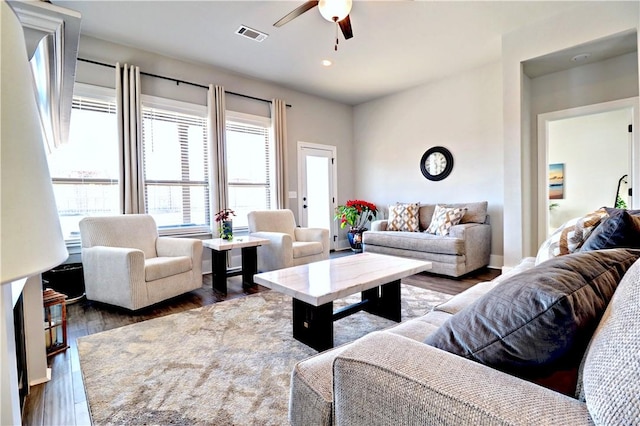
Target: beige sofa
{"type": "Point", "coordinates": [465, 249]}
{"type": "Point", "coordinates": [393, 377]}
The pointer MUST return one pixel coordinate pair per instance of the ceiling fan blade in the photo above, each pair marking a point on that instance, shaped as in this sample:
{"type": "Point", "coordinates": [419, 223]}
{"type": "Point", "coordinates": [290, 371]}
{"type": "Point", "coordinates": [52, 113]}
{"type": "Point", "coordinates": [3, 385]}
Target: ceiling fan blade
{"type": "Point", "coordinates": [296, 12]}
{"type": "Point", "coordinates": [345, 26]}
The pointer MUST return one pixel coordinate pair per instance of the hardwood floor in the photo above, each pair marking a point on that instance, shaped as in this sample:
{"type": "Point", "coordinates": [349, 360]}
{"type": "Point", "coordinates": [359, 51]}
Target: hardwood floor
{"type": "Point", "coordinates": [62, 401]}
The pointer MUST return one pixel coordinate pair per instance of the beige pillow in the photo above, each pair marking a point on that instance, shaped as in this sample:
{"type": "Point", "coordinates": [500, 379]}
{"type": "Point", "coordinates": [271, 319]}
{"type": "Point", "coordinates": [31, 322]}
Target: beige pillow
{"type": "Point", "coordinates": [570, 236]}
{"type": "Point", "coordinates": [444, 218]}
{"type": "Point", "coordinates": [403, 217]}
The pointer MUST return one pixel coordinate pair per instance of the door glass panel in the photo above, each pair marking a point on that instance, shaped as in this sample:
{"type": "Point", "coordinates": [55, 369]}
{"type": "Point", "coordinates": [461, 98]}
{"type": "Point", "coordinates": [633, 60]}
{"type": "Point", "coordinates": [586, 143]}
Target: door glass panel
{"type": "Point", "coordinates": [318, 207]}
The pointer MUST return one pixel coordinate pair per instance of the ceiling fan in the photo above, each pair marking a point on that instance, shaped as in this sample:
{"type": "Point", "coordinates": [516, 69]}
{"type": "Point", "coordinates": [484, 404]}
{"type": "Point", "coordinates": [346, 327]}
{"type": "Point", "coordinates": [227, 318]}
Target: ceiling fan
{"type": "Point", "coordinates": [332, 10]}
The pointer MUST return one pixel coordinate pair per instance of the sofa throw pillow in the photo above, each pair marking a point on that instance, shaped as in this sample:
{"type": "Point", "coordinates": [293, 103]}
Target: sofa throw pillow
{"type": "Point", "coordinates": [403, 217]}
{"type": "Point", "coordinates": [570, 237]}
{"type": "Point", "coordinates": [444, 218]}
{"type": "Point", "coordinates": [550, 248]}
{"type": "Point", "coordinates": [619, 229]}
{"type": "Point", "coordinates": [476, 211]}
{"type": "Point", "coordinates": [537, 323]}
{"type": "Point", "coordinates": [612, 210]}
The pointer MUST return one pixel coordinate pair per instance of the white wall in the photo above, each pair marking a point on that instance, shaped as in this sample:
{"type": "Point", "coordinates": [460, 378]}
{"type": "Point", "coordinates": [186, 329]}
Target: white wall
{"type": "Point", "coordinates": [463, 113]}
{"type": "Point", "coordinates": [311, 119]}
{"type": "Point", "coordinates": [595, 152]}
{"type": "Point", "coordinates": [586, 22]}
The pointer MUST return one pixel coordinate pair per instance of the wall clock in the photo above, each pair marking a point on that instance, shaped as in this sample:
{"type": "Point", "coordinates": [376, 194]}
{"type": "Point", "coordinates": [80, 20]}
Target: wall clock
{"type": "Point", "coordinates": [436, 163]}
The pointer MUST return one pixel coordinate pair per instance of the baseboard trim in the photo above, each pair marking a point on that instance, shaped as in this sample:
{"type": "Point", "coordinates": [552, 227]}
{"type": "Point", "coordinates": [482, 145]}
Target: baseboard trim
{"type": "Point", "coordinates": [496, 261]}
{"type": "Point", "coordinates": [40, 380]}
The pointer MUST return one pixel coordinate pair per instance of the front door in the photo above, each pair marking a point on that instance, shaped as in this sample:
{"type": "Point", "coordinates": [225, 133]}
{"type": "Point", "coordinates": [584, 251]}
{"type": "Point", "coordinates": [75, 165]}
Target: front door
{"type": "Point", "coordinates": [317, 186]}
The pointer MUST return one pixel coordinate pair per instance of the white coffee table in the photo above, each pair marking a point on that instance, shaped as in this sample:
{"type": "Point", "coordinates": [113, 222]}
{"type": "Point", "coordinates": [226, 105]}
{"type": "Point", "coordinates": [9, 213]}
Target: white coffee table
{"type": "Point", "coordinates": [220, 247]}
{"type": "Point", "coordinates": [315, 286]}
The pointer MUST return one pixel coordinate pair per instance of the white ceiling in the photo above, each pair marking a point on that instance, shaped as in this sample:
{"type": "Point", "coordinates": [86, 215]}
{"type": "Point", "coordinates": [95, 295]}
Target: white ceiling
{"type": "Point", "coordinates": [396, 44]}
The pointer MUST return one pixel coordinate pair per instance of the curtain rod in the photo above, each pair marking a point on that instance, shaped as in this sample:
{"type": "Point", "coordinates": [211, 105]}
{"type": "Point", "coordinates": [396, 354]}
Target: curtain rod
{"type": "Point", "coordinates": [179, 81]}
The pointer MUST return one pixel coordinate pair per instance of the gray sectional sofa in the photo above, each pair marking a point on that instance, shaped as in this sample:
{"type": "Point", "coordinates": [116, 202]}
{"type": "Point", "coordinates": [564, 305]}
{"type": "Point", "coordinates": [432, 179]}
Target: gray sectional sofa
{"type": "Point", "coordinates": [398, 376]}
{"type": "Point", "coordinates": [465, 249]}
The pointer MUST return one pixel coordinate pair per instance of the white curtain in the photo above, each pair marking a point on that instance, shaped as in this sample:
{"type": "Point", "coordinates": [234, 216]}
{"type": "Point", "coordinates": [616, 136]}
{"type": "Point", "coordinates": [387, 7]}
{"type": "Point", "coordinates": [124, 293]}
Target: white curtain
{"type": "Point", "coordinates": [129, 117]}
{"type": "Point", "coordinates": [217, 148]}
{"type": "Point", "coordinates": [279, 119]}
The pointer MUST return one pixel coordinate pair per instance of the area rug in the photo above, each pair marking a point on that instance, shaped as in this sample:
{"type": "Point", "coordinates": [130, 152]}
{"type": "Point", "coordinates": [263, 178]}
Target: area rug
{"type": "Point", "coordinates": [225, 364]}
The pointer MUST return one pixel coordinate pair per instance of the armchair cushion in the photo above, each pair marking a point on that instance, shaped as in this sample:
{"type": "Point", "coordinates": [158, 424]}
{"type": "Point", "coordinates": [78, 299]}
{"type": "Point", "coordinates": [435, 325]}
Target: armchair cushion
{"type": "Point", "coordinates": [162, 267]}
{"type": "Point", "coordinates": [137, 231]}
{"type": "Point", "coordinates": [170, 246]}
{"type": "Point", "coordinates": [304, 249]}
{"type": "Point", "coordinates": [273, 221]}
{"type": "Point", "coordinates": [309, 234]}
{"type": "Point", "coordinates": [289, 245]}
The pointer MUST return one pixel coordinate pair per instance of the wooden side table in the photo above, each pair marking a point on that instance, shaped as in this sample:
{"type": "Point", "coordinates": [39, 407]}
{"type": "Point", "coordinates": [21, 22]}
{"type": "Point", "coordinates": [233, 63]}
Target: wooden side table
{"type": "Point", "coordinates": [220, 247]}
{"type": "Point", "coordinates": [55, 317]}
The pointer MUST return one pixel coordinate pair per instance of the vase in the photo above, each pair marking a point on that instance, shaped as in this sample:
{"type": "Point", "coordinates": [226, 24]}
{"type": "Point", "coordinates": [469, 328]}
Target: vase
{"type": "Point", "coordinates": [226, 230]}
{"type": "Point", "coordinates": [355, 239]}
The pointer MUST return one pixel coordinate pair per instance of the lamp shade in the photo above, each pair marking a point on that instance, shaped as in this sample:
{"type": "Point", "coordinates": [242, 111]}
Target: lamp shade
{"type": "Point", "coordinates": [334, 10]}
{"type": "Point", "coordinates": [30, 235]}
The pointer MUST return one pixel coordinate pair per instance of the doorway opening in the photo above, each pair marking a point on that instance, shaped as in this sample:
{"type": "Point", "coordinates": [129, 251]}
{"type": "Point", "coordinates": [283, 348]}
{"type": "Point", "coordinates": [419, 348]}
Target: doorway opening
{"type": "Point", "coordinates": [587, 159]}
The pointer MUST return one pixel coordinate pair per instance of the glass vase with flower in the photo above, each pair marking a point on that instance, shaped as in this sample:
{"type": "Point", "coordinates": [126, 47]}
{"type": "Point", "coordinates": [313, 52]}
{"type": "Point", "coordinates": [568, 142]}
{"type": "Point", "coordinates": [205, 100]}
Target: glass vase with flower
{"type": "Point", "coordinates": [225, 227]}
{"type": "Point", "coordinates": [355, 214]}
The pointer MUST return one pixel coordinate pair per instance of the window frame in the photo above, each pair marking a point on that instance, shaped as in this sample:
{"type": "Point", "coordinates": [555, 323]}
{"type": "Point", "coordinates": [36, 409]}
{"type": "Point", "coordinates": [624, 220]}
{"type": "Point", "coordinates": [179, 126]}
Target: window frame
{"type": "Point", "coordinates": [258, 121]}
{"type": "Point", "coordinates": [98, 93]}
{"type": "Point", "coordinates": [180, 107]}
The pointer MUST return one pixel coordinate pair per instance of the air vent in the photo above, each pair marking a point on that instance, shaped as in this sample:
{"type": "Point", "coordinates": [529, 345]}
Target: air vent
{"type": "Point", "coordinates": [251, 33]}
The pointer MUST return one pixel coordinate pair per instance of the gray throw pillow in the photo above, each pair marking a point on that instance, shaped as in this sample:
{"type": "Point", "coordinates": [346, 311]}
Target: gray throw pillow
{"type": "Point", "coordinates": [537, 324]}
{"type": "Point", "coordinates": [620, 229]}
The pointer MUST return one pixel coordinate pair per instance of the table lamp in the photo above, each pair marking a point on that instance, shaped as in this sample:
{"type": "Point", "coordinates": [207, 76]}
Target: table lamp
{"type": "Point", "coordinates": [31, 239]}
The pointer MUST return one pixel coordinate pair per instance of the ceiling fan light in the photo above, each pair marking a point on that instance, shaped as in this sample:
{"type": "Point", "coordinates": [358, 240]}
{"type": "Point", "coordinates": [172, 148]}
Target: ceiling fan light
{"type": "Point", "coordinates": [334, 10]}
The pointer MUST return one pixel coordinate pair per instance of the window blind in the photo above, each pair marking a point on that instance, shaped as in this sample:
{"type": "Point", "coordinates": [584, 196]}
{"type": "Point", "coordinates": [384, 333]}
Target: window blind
{"type": "Point", "coordinates": [176, 172]}
{"type": "Point", "coordinates": [248, 168]}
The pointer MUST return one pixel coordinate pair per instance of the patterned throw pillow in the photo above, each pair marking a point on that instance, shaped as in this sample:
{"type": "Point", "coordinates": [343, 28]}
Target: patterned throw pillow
{"type": "Point", "coordinates": [444, 218]}
{"type": "Point", "coordinates": [403, 217]}
{"type": "Point", "coordinates": [569, 237]}
{"type": "Point", "coordinates": [572, 239]}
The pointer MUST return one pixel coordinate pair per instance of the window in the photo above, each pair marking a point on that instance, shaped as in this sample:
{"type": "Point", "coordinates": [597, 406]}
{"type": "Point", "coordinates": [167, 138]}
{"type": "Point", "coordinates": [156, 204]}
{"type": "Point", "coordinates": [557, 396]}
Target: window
{"type": "Point", "coordinates": [176, 173]}
{"type": "Point", "coordinates": [84, 171]}
{"type": "Point", "coordinates": [249, 165]}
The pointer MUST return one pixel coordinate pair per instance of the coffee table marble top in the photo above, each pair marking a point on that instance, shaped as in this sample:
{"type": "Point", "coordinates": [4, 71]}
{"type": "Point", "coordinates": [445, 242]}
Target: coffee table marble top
{"type": "Point", "coordinates": [321, 282]}
{"type": "Point", "coordinates": [220, 244]}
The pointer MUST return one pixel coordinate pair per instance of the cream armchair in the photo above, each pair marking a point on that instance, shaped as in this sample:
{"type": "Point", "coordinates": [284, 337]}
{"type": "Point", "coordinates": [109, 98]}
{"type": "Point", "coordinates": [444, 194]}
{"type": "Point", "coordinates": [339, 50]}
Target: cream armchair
{"type": "Point", "coordinates": [289, 245]}
{"type": "Point", "coordinates": [127, 264]}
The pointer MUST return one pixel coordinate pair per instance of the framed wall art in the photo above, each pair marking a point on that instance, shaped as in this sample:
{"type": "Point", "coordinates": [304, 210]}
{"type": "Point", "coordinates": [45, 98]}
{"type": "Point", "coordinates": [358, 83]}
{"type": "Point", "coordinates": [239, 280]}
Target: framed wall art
{"type": "Point", "coordinates": [556, 181]}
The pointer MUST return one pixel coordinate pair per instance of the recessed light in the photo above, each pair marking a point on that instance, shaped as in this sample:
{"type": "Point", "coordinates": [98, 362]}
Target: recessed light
{"type": "Point", "coordinates": [581, 57]}
{"type": "Point", "coordinates": [326, 63]}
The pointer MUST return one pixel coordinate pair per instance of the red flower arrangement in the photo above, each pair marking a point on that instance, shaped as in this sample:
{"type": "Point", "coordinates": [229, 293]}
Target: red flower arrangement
{"type": "Point", "coordinates": [355, 213]}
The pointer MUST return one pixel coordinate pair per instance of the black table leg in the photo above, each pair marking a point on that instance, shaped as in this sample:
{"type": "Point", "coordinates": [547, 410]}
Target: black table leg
{"type": "Point", "coordinates": [219, 259]}
{"type": "Point", "coordinates": [384, 301]}
{"type": "Point", "coordinates": [313, 325]}
{"type": "Point", "coordinates": [249, 265]}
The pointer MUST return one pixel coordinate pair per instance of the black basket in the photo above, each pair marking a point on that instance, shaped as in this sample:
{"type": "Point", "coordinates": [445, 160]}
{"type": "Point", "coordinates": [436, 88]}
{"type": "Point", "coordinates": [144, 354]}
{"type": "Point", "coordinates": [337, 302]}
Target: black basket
{"type": "Point", "coordinates": [67, 279]}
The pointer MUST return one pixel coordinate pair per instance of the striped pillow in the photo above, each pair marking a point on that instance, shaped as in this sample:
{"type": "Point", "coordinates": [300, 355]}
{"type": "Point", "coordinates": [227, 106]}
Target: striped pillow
{"type": "Point", "coordinates": [569, 237]}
